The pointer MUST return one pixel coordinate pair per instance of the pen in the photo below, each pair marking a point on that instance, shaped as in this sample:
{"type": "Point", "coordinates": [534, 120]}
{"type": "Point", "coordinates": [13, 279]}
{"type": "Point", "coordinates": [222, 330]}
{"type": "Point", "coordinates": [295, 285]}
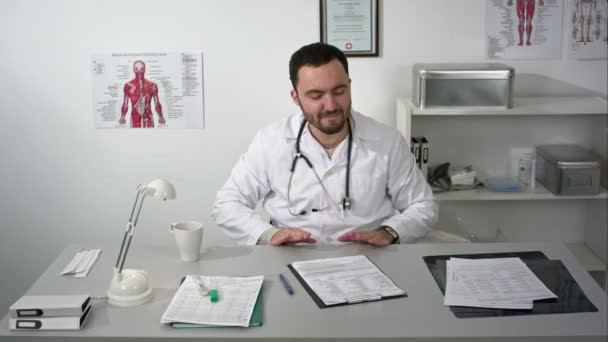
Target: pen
{"type": "Point", "coordinates": [202, 289]}
{"type": "Point", "coordinates": [286, 284]}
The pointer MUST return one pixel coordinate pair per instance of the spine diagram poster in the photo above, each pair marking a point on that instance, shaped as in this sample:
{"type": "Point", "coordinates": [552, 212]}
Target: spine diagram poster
{"type": "Point", "coordinates": [524, 29]}
{"type": "Point", "coordinates": [148, 90]}
{"type": "Point", "coordinates": [587, 32]}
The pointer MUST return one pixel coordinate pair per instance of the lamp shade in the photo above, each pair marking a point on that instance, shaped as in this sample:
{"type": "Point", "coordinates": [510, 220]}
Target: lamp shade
{"type": "Point", "coordinates": [160, 188]}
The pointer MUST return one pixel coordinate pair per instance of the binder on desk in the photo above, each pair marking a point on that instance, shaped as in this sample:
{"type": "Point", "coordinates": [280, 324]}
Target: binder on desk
{"type": "Point", "coordinates": [342, 265]}
{"type": "Point", "coordinates": [240, 305]}
{"type": "Point", "coordinates": [50, 306]}
{"type": "Point", "coordinates": [49, 323]}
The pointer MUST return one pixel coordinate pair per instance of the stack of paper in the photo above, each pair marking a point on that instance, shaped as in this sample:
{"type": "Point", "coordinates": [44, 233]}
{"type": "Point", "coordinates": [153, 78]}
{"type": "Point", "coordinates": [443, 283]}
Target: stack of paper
{"type": "Point", "coordinates": [502, 283]}
{"type": "Point", "coordinates": [82, 263]}
{"type": "Point", "coordinates": [237, 300]}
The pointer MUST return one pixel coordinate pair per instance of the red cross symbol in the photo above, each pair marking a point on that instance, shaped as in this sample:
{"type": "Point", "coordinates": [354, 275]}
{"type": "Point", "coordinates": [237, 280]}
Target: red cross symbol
{"type": "Point", "coordinates": [348, 46]}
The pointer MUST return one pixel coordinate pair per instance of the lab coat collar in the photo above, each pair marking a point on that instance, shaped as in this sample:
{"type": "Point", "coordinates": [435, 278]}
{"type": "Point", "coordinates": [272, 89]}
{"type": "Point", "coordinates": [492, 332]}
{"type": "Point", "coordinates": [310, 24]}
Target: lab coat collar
{"type": "Point", "coordinates": [361, 127]}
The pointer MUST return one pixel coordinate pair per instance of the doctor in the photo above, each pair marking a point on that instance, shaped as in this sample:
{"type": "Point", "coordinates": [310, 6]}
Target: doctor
{"type": "Point", "coordinates": [328, 174]}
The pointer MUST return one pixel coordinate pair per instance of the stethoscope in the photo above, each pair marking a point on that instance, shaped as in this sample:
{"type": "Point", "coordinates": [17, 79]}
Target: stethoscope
{"type": "Point", "coordinates": [346, 203]}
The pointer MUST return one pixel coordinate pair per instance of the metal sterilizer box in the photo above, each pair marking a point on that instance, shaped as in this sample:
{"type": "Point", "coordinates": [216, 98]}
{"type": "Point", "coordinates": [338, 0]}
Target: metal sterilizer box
{"type": "Point", "coordinates": [568, 169]}
{"type": "Point", "coordinates": [464, 85]}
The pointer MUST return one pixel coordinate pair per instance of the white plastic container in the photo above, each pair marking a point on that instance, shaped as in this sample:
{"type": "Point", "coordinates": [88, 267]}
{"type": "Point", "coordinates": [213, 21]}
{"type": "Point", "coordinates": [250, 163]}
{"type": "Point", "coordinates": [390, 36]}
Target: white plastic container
{"type": "Point", "coordinates": [527, 170]}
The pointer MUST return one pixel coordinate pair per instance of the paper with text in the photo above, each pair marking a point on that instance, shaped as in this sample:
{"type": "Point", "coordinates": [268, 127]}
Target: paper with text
{"type": "Point", "coordinates": [346, 279]}
{"type": "Point", "coordinates": [234, 308]}
{"type": "Point", "coordinates": [493, 283]}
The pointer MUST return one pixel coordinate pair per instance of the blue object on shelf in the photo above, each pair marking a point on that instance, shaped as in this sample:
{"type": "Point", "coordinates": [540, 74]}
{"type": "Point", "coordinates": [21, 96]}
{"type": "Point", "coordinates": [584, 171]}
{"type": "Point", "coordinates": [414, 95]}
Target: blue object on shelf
{"type": "Point", "coordinates": [502, 184]}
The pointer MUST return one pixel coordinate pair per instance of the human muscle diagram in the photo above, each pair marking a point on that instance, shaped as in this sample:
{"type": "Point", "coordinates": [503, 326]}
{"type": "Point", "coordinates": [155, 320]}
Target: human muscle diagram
{"type": "Point", "coordinates": [524, 29]}
{"type": "Point", "coordinates": [148, 90]}
{"type": "Point", "coordinates": [525, 13]}
{"type": "Point", "coordinates": [588, 28]}
{"type": "Point", "coordinates": [139, 92]}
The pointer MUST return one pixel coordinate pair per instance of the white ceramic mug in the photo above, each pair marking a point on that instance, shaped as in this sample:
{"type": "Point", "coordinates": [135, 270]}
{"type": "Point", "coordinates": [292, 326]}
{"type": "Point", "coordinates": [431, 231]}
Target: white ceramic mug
{"type": "Point", "coordinates": [188, 236]}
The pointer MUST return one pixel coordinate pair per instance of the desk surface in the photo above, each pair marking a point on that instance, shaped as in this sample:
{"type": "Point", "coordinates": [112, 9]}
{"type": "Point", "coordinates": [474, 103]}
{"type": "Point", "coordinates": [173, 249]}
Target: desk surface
{"type": "Point", "coordinates": [420, 316]}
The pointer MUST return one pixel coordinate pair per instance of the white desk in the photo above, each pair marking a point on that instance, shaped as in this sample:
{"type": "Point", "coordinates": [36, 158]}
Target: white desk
{"type": "Point", "coordinates": [419, 317]}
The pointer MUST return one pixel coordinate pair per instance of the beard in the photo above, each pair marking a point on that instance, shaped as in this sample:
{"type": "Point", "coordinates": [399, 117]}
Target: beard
{"type": "Point", "coordinates": [328, 122]}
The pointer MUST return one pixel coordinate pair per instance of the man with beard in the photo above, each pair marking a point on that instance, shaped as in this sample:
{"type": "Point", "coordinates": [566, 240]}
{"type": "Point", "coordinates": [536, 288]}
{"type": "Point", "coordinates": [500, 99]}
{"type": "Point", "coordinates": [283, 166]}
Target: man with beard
{"type": "Point", "coordinates": [327, 174]}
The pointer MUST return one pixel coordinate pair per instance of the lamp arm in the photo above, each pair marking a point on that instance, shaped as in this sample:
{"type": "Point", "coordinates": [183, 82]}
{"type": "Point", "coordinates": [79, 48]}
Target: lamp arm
{"type": "Point", "coordinates": [140, 190]}
{"type": "Point", "coordinates": [130, 233]}
{"type": "Point", "coordinates": [122, 262]}
{"type": "Point", "coordinates": [129, 227]}
{"type": "Point", "coordinates": [139, 209]}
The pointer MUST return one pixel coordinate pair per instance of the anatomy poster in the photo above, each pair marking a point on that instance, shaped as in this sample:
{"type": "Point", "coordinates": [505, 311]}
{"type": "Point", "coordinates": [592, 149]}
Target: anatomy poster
{"type": "Point", "coordinates": [587, 28]}
{"type": "Point", "coordinates": [524, 29]}
{"type": "Point", "coordinates": [148, 90]}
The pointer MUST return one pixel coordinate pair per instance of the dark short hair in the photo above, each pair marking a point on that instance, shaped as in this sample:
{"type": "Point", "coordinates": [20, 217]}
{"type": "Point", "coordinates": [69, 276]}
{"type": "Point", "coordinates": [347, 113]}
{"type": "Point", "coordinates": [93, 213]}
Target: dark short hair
{"type": "Point", "coordinates": [315, 54]}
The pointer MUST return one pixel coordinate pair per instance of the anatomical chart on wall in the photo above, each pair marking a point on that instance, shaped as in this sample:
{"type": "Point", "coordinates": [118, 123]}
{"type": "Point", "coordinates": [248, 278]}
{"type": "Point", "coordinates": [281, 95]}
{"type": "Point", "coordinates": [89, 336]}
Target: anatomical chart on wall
{"type": "Point", "coordinates": [148, 90]}
{"type": "Point", "coordinates": [524, 29]}
{"type": "Point", "coordinates": [587, 28]}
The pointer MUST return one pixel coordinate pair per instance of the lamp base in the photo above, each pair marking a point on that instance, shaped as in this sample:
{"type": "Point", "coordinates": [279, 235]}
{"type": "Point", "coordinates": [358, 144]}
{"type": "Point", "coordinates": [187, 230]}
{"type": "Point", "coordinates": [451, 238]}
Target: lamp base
{"type": "Point", "coordinates": [129, 288]}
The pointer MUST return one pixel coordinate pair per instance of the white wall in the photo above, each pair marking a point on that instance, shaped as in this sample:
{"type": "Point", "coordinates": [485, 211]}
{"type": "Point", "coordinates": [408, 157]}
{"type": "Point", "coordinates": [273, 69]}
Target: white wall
{"type": "Point", "coordinates": [65, 182]}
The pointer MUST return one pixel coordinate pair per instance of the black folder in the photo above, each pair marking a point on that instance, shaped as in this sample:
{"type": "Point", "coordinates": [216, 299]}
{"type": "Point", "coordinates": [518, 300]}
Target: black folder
{"type": "Point", "coordinates": [553, 273]}
{"type": "Point", "coordinates": [320, 302]}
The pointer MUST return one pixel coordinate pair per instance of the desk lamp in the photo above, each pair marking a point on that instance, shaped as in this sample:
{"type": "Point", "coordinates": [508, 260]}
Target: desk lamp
{"type": "Point", "coordinates": [132, 287]}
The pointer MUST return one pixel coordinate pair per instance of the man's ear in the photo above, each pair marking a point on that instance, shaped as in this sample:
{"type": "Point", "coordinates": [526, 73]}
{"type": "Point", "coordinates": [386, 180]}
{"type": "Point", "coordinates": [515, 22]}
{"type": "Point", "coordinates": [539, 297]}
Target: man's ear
{"type": "Point", "coordinates": [294, 97]}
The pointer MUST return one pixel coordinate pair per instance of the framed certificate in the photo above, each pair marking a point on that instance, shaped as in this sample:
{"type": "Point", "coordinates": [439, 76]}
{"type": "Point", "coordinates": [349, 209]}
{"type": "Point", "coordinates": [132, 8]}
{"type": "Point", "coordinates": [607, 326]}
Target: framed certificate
{"type": "Point", "coordinates": [350, 25]}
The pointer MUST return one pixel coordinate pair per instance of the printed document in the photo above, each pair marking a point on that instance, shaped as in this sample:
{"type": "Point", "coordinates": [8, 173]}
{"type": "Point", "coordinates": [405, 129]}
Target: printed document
{"type": "Point", "coordinates": [237, 297]}
{"type": "Point", "coordinates": [148, 89]}
{"type": "Point", "coordinates": [505, 283]}
{"type": "Point", "coordinates": [528, 29]}
{"type": "Point", "coordinates": [346, 279]}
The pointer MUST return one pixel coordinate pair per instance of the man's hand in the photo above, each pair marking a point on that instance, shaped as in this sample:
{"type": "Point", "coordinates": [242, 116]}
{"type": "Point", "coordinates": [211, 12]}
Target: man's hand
{"type": "Point", "coordinates": [290, 236]}
{"type": "Point", "coordinates": [161, 120]}
{"type": "Point", "coordinates": [378, 238]}
{"type": "Point", "coordinates": [122, 120]}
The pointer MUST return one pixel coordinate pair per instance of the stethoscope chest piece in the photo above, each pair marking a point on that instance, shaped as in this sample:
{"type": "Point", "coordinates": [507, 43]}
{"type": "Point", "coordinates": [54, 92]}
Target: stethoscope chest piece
{"type": "Point", "coordinates": [346, 203]}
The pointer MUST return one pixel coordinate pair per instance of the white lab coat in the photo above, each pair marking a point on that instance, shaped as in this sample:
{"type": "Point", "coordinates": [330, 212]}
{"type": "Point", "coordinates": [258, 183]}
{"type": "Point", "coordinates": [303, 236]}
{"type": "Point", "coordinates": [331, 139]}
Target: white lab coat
{"type": "Point", "coordinates": [386, 187]}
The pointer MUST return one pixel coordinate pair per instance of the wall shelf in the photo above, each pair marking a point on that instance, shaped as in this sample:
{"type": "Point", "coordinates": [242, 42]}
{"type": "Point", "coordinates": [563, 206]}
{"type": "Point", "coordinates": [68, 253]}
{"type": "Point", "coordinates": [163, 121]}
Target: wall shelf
{"type": "Point", "coordinates": [492, 140]}
{"type": "Point", "coordinates": [539, 193]}
{"type": "Point", "coordinates": [553, 105]}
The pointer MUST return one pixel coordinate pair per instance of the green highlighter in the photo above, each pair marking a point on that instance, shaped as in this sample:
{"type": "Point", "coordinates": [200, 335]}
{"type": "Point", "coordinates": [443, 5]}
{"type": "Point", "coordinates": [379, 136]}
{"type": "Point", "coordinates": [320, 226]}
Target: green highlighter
{"type": "Point", "coordinates": [214, 296]}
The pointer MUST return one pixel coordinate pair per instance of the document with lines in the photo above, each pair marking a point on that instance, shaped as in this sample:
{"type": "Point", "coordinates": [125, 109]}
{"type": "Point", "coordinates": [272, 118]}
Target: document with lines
{"type": "Point", "coordinates": [493, 283]}
{"type": "Point", "coordinates": [344, 280]}
{"type": "Point", "coordinates": [237, 298]}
